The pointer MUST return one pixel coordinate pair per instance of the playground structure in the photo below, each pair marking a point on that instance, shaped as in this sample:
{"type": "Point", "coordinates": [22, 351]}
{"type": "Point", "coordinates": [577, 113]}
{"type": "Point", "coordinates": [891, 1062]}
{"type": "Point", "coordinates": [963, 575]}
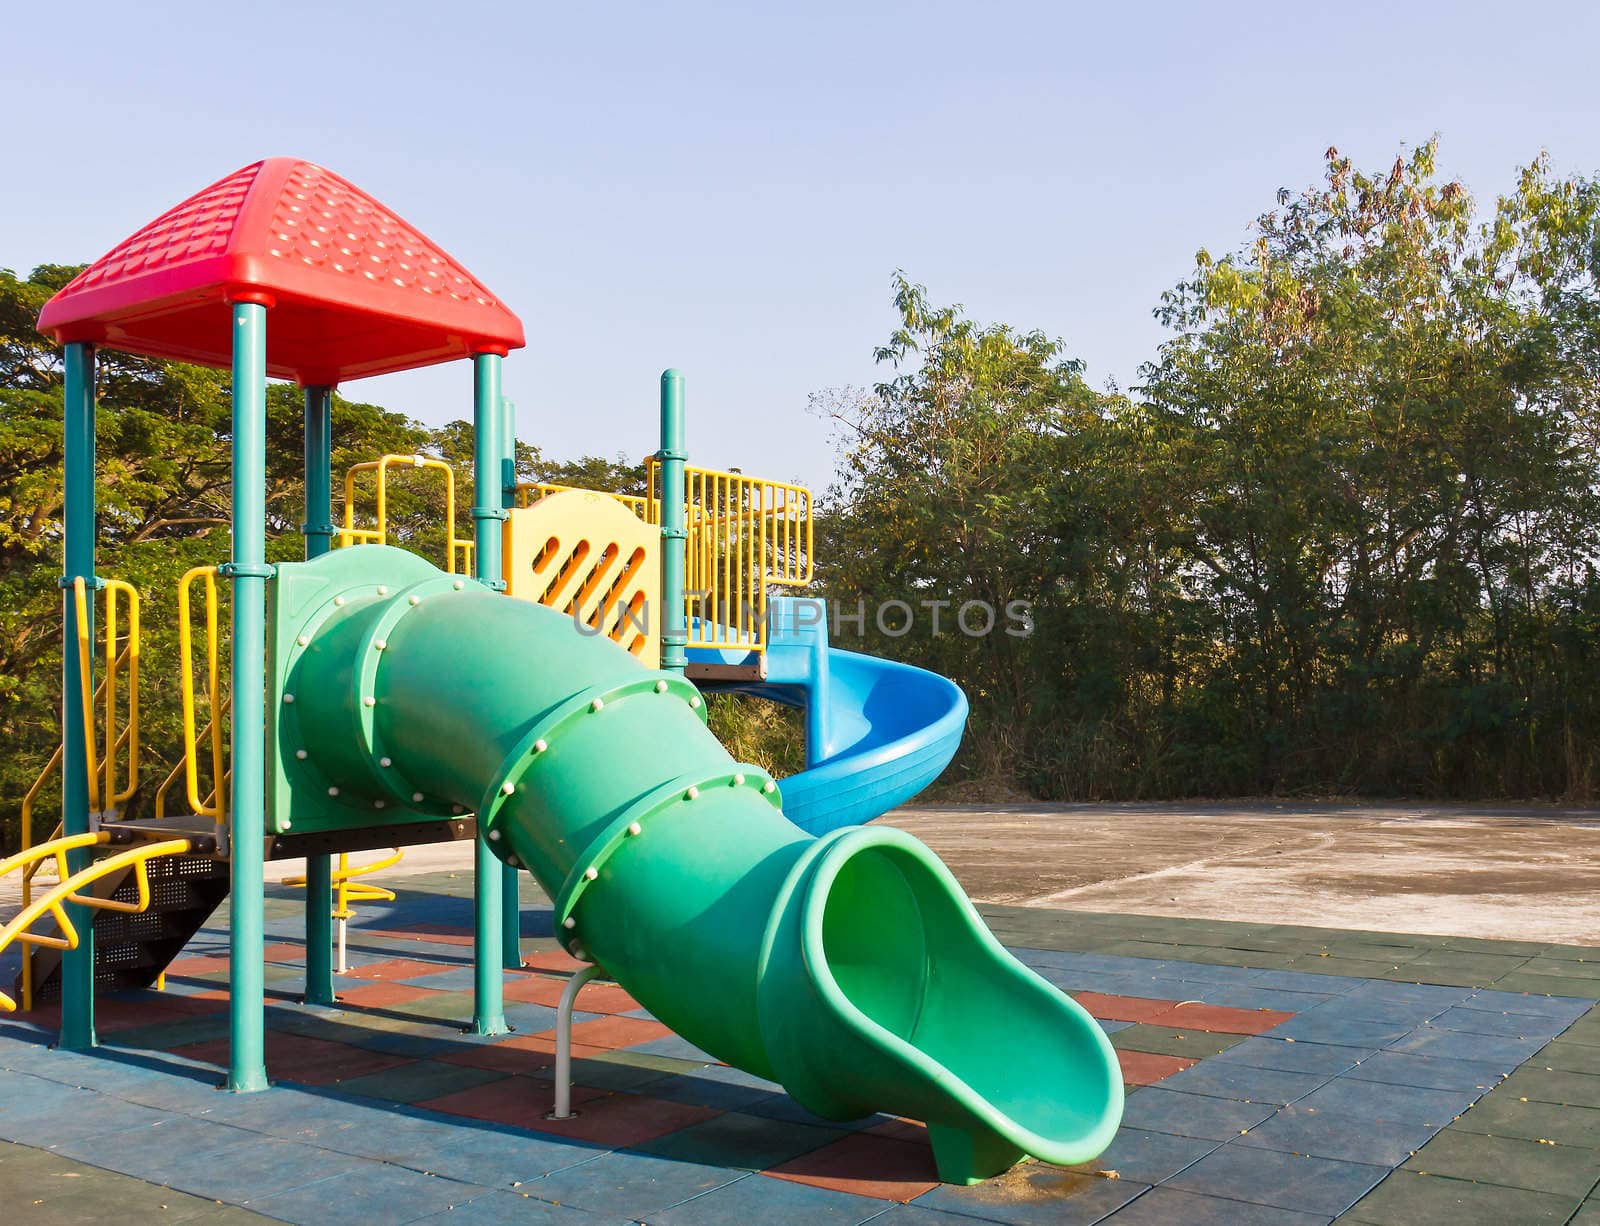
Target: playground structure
{"type": "Point", "coordinates": [536, 694]}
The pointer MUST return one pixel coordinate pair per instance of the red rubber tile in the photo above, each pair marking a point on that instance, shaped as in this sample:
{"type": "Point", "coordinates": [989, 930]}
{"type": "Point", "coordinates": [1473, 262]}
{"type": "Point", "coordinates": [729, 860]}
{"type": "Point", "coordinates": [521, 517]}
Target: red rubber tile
{"type": "Point", "coordinates": [442, 934]}
{"type": "Point", "coordinates": [376, 995]}
{"type": "Point", "coordinates": [866, 1165]}
{"type": "Point", "coordinates": [1191, 1015]}
{"type": "Point", "coordinates": [1123, 1008]}
{"type": "Point", "coordinates": [1142, 1068]}
{"type": "Point", "coordinates": [621, 1120]}
{"type": "Point", "coordinates": [606, 998]}
{"type": "Point", "coordinates": [285, 951]}
{"type": "Point", "coordinates": [537, 990]}
{"type": "Point", "coordinates": [198, 964]}
{"type": "Point", "coordinates": [520, 1054]}
{"type": "Point", "coordinates": [612, 1033]}
{"type": "Point", "coordinates": [900, 1129]}
{"type": "Point", "coordinates": [113, 1015]}
{"type": "Point", "coordinates": [400, 968]}
{"type": "Point", "coordinates": [520, 1102]}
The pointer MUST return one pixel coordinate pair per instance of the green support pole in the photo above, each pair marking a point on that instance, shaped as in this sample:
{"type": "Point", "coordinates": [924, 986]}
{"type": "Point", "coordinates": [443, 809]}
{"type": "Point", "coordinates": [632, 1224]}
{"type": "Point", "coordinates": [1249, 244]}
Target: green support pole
{"type": "Point", "coordinates": [77, 967]}
{"type": "Point", "coordinates": [247, 1068]}
{"type": "Point", "coordinates": [488, 918]}
{"type": "Point", "coordinates": [318, 533]}
{"type": "Point", "coordinates": [510, 886]}
{"type": "Point", "coordinates": [674, 534]}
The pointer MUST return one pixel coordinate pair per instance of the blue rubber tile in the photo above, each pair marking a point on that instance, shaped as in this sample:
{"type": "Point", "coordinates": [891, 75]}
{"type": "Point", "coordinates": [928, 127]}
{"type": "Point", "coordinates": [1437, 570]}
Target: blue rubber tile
{"type": "Point", "coordinates": [71, 1119]}
{"type": "Point", "coordinates": [144, 1151]}
{"type": "Point", "coordinates": [1328, 1134]}
{"type": "Point", "coordinates": [1273, 1087]}
{"type": "Point", "coordinates": [1481, 1021]}
{"type": "Point", "coordinates": [916, 1215]}
{"type": "Point", "coordinates": [1170, 1207]}
{"type": "Point", "coordinates": [676, 1047]}
{"type": "Point", "coordinates": [1209, 972]}
{"type": "Point", "coordinates": [1321, 1186]}
{"type": "Point", "coordinates": [516, 1209]}
{"type": "Point", "coordinates": [631, 1185]}
{"type": "Point", "coordinates": [1266, 1052]}
{"type": "Point", "coordinates": [499, 1158]}
{"type": "Point", "coordinates": [1112, 1027]}
{"type": "Point", "coordinates": [1151, 1157]}
{"type": "Point", "coordinates": [1562, 1009]}
{"type": "Point", "coordinates": [782, 1107]}
{"type": "Point", "coordinates": [1428, 1072]}
{"type": "Point", "coordinates": [1425, 995]}
{"type": "Point", "coordinates": [1399, 1104]}
{"type": "Point", "coordinates": [1505, 1050]}
{"type": "Point", "coordinates": [1344, 1031]}
{"type": "Point", "coordinates": [460, 979]}
{"type": "Point", "coordinates": [1398, 1015]}
{"type": "Point", "coordinates": [1042, 1196]}
{"type": "Point", "coordinates": [759, 1198]}
{"type": "Point", "coordinates": [418, 1044]}
{"type": "Point", "coordinates": [1247, 996]}
{"type": "Point", "coordinates": [1306, 981]}
{"type": "Point", "coordinates": [253, 1170]}
{"type": "Point", "coordinates": [373, 1192]}
{"type": "Point", "coordinates": [1191, 1115]}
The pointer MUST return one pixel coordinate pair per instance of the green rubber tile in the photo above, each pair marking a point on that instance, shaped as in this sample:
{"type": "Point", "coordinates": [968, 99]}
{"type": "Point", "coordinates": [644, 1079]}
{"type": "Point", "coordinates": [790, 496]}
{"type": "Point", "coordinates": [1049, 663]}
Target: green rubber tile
{"type": "Point", "coordinates": [1492, 965]}
{"type": "Point", "coordinates": [1407, 1198]}
{"type": "Point", "coordinates": [1505, 1114]}
{"type": "Point", "coordinates": [1487, 945]}
{"type": "Point", "coordinates": [1139, 949]}
{"type": "Point", "coordinates": [1510, 1162]}
{"type": "Point", "coordinates": [1553, 1086]}
{"type": "Point", "coordinates": [737, 1140]}
{"type": "Point", "coordinates": [1573, 953]}
{"type": "Point", "coordinates": [1443, 976]}
{"type": "Point", "coordinates": [1165, 1041]}
{"type": "Point", "coordinates": [181, 1031]}
{"type": "Point", "coordinates": [1576, 960]}
{"type": "Point", "coordinates": [1549, 985]}
{"type": "Point", "coordinates": [1586, 1030]}
{"type": "Point", "coordinates": [1589, 1215]}
{"type": "Point", "coordinates": [1356, 968]}
{"type": "Point", "coordinates": [419, 1081]}
{"type": "Point", "coordinates": [1568, 1056]}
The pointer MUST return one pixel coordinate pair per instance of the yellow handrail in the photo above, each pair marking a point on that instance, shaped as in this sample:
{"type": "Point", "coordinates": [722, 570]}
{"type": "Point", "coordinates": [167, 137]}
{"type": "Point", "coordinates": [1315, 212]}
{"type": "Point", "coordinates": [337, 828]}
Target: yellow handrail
{"type": "Point", "coordinates": [348, 893]}
{"type": "Point", "coordinates": [127, 659]}
{"type": "Point", "coordinates": [53, 901]}
{"type": "Point", "coordinates": [378, 534]}
{"type": "Point", "coordinates": [214, 700]}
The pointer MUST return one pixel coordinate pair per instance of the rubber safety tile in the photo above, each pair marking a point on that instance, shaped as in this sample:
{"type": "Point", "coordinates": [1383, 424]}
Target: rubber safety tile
{"type": "Point", "coordinates": [1035, 1194]}
{"type": "Point", "coordinates": [631, 1185]}
{"type": "Point", "coordinates": [865, 1165]}
{"type": "Point", "coordinates": [1325, 1186]}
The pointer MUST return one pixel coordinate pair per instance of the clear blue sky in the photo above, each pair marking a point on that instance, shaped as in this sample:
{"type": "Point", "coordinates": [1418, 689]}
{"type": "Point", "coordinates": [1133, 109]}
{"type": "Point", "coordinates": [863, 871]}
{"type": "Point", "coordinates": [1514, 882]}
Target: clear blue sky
{"type": "Point", "coordinates": [727, 188]}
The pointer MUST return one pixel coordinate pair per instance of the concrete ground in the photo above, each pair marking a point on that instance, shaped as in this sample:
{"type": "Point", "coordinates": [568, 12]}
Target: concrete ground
{"type": "Point", "coordinates": [1496, 871]}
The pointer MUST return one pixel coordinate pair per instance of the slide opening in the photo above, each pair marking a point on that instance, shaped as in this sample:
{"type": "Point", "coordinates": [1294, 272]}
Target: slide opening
{"type": "Point", "coordinates": [904, 950]}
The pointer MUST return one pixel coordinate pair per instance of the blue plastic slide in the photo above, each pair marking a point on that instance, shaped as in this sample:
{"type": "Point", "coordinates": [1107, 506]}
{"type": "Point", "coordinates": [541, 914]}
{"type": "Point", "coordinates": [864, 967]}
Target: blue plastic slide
{"type": "Point", "coordinates": [877, 732]}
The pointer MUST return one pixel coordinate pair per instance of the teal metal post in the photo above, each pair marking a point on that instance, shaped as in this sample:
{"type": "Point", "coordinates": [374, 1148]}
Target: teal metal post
{"type": "Point", "coordinates": [318, 533]}
{"type": "Point", "coordinates": [674, 535]}
{"type": "Point", "coordinates": [488, 426]}
{"type": "Point", "coordinates": [77, 966]}
{"type": "Point", "coordinates": [510, 885]}
{"type": "Point", "coordinates": [247, 1068]}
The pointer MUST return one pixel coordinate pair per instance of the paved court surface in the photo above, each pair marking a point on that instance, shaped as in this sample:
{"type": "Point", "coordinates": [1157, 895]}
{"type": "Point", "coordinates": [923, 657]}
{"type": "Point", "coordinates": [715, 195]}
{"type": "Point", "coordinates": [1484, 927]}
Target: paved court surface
{"type": "Point", "coordinates": [1279, 1074]}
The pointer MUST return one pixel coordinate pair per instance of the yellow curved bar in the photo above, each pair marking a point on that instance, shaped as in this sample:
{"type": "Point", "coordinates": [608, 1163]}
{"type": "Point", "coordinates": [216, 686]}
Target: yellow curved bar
{"type": "Point", "coordinates": [353, 891]}
{"type": "Point", "coordinates": [66, 891]}
{"type": "Point", "coordinates": [378, 534]}
{"type": "Point", "coordinates": [191, 742]}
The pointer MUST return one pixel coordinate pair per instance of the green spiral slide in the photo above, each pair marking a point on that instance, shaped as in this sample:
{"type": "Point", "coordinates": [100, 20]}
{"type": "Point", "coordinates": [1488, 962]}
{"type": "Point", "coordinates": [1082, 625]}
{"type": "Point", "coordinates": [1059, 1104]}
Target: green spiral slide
{"type": "Point", "coordinates": [851, 968]}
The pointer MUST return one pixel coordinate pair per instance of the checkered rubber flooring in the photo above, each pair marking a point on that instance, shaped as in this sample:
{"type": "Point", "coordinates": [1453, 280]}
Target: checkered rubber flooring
{"type": "Point", "coordinates": [1259, 1095]}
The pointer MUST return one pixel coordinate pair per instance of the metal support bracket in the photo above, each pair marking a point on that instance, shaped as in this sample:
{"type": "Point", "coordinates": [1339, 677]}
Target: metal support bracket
{"type": "Point", "coordinates": [93, 583]}
{"type": "Point", "coordinates": [569, 997]}
{"type": "Point", "coordinates": [247, 570]}
{"type": "Point", "coordinates": [490, 513]}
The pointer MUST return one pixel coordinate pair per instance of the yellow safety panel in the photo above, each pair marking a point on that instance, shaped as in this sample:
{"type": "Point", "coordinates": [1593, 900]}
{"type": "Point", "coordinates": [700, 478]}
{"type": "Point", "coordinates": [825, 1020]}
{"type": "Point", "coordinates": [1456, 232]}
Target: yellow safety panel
{"type": "Point", "coordinates": [587, 555]}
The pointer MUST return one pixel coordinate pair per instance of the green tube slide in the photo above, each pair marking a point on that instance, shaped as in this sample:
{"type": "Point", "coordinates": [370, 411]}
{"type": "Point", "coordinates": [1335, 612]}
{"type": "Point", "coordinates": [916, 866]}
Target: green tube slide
{"type": "Point", "coordinates": [851, 968]}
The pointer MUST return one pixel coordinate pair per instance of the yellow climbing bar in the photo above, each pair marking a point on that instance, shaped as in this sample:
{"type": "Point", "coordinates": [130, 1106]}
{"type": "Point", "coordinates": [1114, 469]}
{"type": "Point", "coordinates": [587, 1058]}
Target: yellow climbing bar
{"type": "Point", "coordinates": [53, 901]}
{"type": "Point", "coordinates": [458, 552]}
{"type": "Point", "coordinates": [530, 492]}
{"type": "Point", "coordinates": [351, 891]}
{"type": "Point", "coordinates": [214, 805]}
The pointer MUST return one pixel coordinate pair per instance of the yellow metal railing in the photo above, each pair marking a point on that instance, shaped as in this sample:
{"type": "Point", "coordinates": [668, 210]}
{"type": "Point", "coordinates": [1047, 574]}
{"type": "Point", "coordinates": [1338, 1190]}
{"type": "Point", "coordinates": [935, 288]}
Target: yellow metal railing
{"type": "Point", "coordinates": [348, 890]}
{"type": "Point", "coordinates": [746, 534]}
{"type": "Point", "coordinates": [458, 551]}
{"type": "Point", "coordinates": [121, 675]}
{"type": "Point", "coordinates": [66, 890]}
{"type": "Point", "coordinates": [213, 735]}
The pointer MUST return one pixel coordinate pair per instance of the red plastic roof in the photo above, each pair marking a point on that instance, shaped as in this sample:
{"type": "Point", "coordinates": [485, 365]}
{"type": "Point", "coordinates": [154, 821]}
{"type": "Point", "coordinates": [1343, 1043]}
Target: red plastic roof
{"type": "Point", "coordinates": [354, 290]}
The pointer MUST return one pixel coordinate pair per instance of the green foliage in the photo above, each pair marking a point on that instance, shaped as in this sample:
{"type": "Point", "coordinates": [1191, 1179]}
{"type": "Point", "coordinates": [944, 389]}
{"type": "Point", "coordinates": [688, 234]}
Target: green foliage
{"type": "Point", "coordinates": [1342, 540]}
